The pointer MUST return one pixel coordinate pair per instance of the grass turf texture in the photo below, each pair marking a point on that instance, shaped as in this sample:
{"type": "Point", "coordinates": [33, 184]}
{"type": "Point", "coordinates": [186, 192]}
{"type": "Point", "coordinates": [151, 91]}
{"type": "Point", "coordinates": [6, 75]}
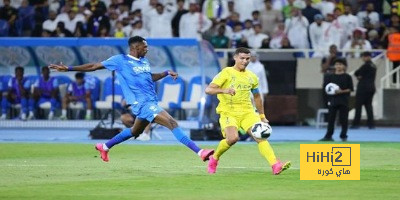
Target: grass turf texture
{"type": "Point", "coordinates": [74, 171]}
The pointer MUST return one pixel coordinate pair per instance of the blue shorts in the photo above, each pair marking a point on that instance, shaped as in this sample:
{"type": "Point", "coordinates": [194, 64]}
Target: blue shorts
{"type": "Point", "coordinates": [148, 110]}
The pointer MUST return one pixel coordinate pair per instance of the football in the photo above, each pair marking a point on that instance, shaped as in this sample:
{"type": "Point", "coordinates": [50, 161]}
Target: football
{"type": "Point", "coordinates": [261, 130]}
{"type": "Point", "coordinates": [331, 88]}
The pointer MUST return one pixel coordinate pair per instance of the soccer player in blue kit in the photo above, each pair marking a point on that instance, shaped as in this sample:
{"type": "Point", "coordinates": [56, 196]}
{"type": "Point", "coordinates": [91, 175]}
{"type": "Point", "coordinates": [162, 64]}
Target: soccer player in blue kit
{"type": "Point", "coordinates": [137, 84]}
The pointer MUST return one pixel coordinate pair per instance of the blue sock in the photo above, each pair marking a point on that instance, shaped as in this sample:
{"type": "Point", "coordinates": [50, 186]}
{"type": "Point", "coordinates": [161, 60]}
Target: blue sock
{"type": "Point", "coordinates": [24, 105]}
{"type": "Point", "coordinates": [120, 137]}
{"type": "Point", "coordinates": [181, 137]}
{"type": "Point", "coordinates": [4, 106]}
{"type": "Point", "coordinates": [53, 103]}
{"type": "Point", "coordinates": [31, 104]}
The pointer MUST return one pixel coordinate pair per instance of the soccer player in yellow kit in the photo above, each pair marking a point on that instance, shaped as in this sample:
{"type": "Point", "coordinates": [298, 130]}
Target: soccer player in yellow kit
{"type": "Point", "coordinates": [233, 87]}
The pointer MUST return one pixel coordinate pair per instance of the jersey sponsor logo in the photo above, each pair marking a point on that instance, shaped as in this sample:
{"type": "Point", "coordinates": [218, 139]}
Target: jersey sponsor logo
{"type": "Point", "coordinates": [243, 87]}
{"type": "Point", "coordinates": [141, 69]}
{"type": "Point", "coordinates": [153, 108]}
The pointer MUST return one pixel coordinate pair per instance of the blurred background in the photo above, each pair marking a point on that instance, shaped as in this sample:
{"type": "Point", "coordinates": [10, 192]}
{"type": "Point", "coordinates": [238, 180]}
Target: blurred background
{"type": "Point", "coordinates": [295, 41]}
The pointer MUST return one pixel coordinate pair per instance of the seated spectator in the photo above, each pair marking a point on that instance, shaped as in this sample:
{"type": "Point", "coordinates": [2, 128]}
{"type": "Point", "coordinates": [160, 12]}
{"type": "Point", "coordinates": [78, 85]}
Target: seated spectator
{"type": "Point", "coordinates": [80, 30]}
{"type": "Point", "coordinates": [255, 41]}
{"type": "Point", "coordinates": [368, 19]}
{"type": "Point", "coordinates": [228, 29]}
{"type": "Point", "coordinates": [270, 18]}
{"type": "Point", "coordinates": [193, 23]}
{"type": "Point", "coordinates": [237, 38]}
{"type": "Point", "coordinates": [212, 31]}
{"type": "Point", "coordinates": [9, 14]}
{"type": "Point", "coordinates": [118, 32]}
{"type": "Point", "coordinates": [327, 62]}
{"type": "Point", "coordinates": [98, 21]}
{"type": "Point", "coordinates": [309, 12]}
{"type": "Point", "coordinates": [220, 40]}
{"type": "Point", "coordinates": [26, 14]}
{"type": "Point", "coordinates": [285, 43]}
{"type": "Point", "coordinates": [248, 29]}
{"type": "Point", "coordinates": [160, 21]}
{"type": "Point", "coordinates": [93, 5]}
{"type": "Point", "coordinates": [348, 22]}
{"type": "Point", "coordinates": [104, 32]}
{"type": "Point", "coordinates": [373, 38]}
{"type": "Point", "coordinates": [357, 43]}
{"type": "Point", "coordinates": [256, 17]}
{"type": "Point", "coordinates": [51, 23]}
{"type": "Point", "coordinates": [46, 90]}
{"type": "Point", "coordinates": [61, 31]}
{"type": "Point", "coordinates": [138, 29]}
{"type": "Point", "coordinates": [70, 19]}
{"type": "Point", "coordinates": [296, 29]}
{"type": "Point", "coordinates": [326, 7]}
{"type": "Point", "coordinates": [18, 93]}
{"type": "Point", "coordinates": [334, 32]}
{"type": "Point", "coordinates": [278, 34]}
{"type": "Point", "coordinates": [114, 4]}
{"type": "Point", "coordinates": [287, 9]}
{"type": "Point", "coordinates": [177, 17]}
{"type": "Point", "coordinates": [215, 9]}
{"type": "Point", "coordinates": [265, 44]}
{"type": "Point", "coordinates": [233, 19]}
{"type": "Point", "coordinates": [78, 91]}
{"type": "Point", "coordinates": [317, 34]}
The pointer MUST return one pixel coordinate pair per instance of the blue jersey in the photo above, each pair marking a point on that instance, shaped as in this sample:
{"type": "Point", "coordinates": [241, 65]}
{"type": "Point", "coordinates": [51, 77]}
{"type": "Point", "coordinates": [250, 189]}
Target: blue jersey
{"type": "Point", "coordinates": [134, 77]}
{"type": "Point", "coordinates": [46, 87]}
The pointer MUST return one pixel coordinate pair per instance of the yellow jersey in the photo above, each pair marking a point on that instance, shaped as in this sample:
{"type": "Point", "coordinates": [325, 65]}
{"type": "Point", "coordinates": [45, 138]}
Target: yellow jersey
{"type": "Point", "coordinates": [243, 83]}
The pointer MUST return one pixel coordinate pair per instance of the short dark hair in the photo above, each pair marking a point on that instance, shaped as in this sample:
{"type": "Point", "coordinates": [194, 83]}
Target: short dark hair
{"type": "Point", "coordinates": [45, 67]}
{"type": "Point", "coordinates": [242, 50]}
{"type": "Point", "coordinates": [366, 53]}
{"type": "Point", "coordinates": [19, 68]}
{"type": "Point", "coordinates": [135, 39]}
{"type": "Point", "coordinates": [341, 61]}
{"type": "Point", "coordinates": [79, 75]}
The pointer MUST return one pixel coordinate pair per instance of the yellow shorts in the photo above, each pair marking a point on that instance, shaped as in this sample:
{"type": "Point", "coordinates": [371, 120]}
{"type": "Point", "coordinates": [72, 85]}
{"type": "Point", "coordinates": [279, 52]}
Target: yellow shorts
{"type": "Point", "coordinates": [242, 120]}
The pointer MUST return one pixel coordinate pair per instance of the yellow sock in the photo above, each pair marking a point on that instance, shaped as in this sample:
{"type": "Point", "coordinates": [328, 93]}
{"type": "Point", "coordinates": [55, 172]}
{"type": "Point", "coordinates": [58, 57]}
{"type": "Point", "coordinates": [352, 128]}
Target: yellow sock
{"type": "Point", "coordinates": [222, 147]}
{"type": "Point", "coordinates": [267, 152]}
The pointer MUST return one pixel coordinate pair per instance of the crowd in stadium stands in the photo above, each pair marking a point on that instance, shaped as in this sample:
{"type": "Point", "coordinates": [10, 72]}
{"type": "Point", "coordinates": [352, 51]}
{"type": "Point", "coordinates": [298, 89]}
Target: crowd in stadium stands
{"type": "Point", "coordinates": [274, 24]}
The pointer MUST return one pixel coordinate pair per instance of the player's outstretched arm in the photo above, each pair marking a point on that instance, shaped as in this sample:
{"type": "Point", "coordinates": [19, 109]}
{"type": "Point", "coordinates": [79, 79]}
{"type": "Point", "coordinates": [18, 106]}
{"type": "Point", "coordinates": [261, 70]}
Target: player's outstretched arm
{"type": "Point", "coordinates": [215, 89]}
{"type": "Point", "coordinates": [82, 68]}
{"type": "Point", "coordinates": [158, 76]}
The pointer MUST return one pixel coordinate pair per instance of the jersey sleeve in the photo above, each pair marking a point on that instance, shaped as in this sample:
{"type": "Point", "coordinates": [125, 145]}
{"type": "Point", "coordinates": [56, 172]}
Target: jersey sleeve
{"type": "Point", "coordinates": [112, 63]}
{"type": "Point", "coordinates": [255, 82]}
{"type": "Point", "coordinates": [220, 78]}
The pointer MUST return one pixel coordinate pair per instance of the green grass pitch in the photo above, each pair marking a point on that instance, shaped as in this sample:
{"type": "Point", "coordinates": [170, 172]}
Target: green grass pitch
{"type": "Point", "coordinates": [74, 171]}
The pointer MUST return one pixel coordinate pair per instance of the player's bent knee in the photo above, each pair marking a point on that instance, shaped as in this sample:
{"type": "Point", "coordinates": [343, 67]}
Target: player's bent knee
{"type": "Point", "coordinates": [232, 140]}
{"type": "Point", "coordinates": [172, 123]}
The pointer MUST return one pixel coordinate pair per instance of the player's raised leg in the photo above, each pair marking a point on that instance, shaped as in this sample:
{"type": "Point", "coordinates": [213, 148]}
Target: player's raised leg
{"type": "Point", "coordinates": [124, 135]}
{"type": "Point", "coordinates": [164, 119]}
{"type": "Point", "coordinates": [268, 153]}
